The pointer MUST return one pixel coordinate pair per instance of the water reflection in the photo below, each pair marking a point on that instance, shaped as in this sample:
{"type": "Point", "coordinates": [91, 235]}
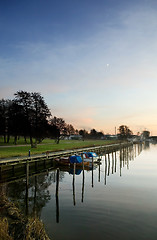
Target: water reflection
{"type": "Point", "coordinates": [125, 155]}
{"type": "Point", "coordinates": [33, 193]}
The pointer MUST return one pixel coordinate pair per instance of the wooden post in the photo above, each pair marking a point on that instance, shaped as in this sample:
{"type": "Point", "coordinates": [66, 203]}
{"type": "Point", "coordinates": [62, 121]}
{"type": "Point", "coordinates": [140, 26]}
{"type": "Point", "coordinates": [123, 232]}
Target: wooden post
{"type": "Point", "coordinates": [57, 181]}
{"type": "Point", "coordinates": [123, 157]}
{"type": "Point", "coordinates": [83, 162]}
{"type": "Point", "coordinates": [105, 170]}
{"type": "Point", "coordinates": [92, 177]}
{"type": "Point", "coordinates": [36, 165]}
{"type": "Point", "coordinates": [99, 173]}
{"type": "Point", "coordinates": [112, 162]}
{"type": "Point", "coordinates": [51, 162]}
{"type": "Point", "coordinates": [44, 163]}
{"type": "Point", "coordinates": [13, 170]}
{"type": "Point", "coordinates": [105, 155]}
{"type": "Point", "coordinates": [27, 187]}
{"type": "Point", "coordinates": [57, 199]}
{"type": "Point", "coordinates": [115, 161]}
{"type": "Point", "coordinates": [120, 164]}
{"type": "Point", "coordinates": [92, 173]}
{"type": "Point", "coordinates": [83, 186]}
{"type": "Point", "coordinates": [108, 165]}
{"type": "Point", "coordinates": [74, 201]}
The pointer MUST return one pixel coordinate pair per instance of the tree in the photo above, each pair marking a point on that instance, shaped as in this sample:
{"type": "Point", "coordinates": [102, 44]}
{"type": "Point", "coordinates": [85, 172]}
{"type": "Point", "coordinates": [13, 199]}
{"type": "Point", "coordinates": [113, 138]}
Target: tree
{"type": "Point", "coordinates": [60, 124]}
{"type": "Point", "coordinates": [35, 114]}
{"type": "Point", "coordinates": [70, 129]}
{"type": "Point", "coordinates": [145, 134]}
{"type": "Point", "coordinates": [41, 115]}
{"type": "Point", "coordinates": [95, 135]}
{"type": "Point", "coordinates": [124, 132]}
{"type": "Point", "coordinates": [4, 118]}
{"type": "Point", "coordinates": [83, 133]}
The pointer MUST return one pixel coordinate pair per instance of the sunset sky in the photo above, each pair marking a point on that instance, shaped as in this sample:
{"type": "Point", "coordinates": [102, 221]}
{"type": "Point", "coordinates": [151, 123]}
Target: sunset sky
{"type": "Point", "coordinates": [93, 61]}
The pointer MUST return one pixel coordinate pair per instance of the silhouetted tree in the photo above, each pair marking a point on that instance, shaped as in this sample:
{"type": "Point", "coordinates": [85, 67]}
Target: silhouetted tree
{"type": "Point", "coordinates": [124, 132]}
{"type": "Point", "coordinates": [35, 113]}
{"type": "Point", "coordinates": [145, 134]}
{"type": "Point", "coordinates": [60, 124]}
{"type": "Point", "coordinates": [70, 129]}
{"type": "Point", "coordinates": [83, 133]}
{"type": "Point", "coordinates": [4, 118]}
{"type": "Point", "coordinates": [95, 135]}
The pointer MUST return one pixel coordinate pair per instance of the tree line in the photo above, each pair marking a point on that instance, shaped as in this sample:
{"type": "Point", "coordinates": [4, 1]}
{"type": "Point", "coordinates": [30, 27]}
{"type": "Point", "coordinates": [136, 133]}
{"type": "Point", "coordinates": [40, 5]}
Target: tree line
{"type": "Point", "coordinates": [28, 115]}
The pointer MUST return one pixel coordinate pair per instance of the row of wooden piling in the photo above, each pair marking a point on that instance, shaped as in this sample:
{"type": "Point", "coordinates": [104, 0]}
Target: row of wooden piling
{"type": "Point", "coordinates": [47, 160]}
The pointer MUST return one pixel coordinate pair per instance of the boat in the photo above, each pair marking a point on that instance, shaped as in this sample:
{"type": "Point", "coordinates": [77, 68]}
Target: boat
{"type": "Point", "coordinates": [90, 157]}
{"type": "Point", "coordinates": [69, 161]}
{"type": "Point", "coordinates": [62, 161]}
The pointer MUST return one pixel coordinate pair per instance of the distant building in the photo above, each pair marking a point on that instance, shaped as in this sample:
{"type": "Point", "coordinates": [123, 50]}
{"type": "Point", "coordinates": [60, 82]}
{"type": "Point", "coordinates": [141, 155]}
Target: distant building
{"type": "Point", "coordinates": [110, 137]}
{"type": "Point", "coordinates": [75, 137]}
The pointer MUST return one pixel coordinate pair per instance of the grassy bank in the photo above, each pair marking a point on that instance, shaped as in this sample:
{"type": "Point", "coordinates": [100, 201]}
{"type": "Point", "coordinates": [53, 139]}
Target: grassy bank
{"type": "Point", "coordinates": [15, 226]}
{"type": "Point", "coordinates": [10, 150]}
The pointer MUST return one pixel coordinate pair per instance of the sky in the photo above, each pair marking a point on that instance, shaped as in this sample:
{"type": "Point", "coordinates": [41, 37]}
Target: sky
{"type": "Point", "coordinates": [93, 61]}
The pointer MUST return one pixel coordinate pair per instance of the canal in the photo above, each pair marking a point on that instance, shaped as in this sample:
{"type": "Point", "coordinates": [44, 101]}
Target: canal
{"type": "Point", "coordinates": [116, 199]}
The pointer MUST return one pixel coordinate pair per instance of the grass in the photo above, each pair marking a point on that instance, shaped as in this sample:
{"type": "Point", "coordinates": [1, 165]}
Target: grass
{"type": "Point", "coordinates": [14, 225]}
{"type": "Point", "coordinates": [10, 150]}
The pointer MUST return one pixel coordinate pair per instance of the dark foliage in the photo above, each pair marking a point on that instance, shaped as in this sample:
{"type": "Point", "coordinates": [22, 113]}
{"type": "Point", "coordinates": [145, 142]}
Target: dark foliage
{"type": "Point", "coordinates": [124, 132]}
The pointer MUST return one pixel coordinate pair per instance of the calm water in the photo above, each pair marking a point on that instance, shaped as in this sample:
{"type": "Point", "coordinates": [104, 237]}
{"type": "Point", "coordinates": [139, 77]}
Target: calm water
{"type": "Point", "coordinates": [117, 200]}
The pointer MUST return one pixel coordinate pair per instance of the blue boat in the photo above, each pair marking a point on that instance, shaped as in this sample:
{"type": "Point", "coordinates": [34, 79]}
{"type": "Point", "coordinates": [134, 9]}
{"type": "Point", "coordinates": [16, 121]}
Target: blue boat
{"type": "Point", "coordinates": [75, 159]}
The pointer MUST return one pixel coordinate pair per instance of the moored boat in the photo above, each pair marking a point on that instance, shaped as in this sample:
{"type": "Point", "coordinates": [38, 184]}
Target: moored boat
{"type": "Point", "coordinates": [89, 157]}
{"type": "Point", "coordinates": [68, 161]}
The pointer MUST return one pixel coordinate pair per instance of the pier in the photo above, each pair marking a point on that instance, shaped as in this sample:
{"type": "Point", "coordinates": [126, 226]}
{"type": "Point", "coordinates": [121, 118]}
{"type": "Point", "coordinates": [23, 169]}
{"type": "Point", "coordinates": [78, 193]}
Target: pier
{"type": "Point", "coordinates": [36, 163]}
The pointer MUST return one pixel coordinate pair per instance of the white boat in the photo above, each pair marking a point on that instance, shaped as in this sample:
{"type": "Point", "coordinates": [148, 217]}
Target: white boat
{"type": "Point", "coordinates": [89, 157]}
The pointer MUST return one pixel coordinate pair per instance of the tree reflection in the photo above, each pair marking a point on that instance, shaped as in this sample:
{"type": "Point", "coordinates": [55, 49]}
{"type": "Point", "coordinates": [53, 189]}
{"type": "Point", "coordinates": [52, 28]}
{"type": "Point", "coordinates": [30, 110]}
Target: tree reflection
{"type": "Point", "coordinates": [32, 196]}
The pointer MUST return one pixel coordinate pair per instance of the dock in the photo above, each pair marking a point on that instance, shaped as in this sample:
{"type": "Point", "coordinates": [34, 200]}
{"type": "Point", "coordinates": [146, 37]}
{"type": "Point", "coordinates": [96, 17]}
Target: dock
{"type": "Point", "coordinates": [36, 163]}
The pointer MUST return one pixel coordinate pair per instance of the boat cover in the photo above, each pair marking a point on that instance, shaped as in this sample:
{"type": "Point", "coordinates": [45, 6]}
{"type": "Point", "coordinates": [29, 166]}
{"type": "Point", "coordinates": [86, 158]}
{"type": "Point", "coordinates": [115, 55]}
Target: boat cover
{"type": "Point", "coordinates": [75, 159]}
{"type": "Point", "coordinates": [91, 154]}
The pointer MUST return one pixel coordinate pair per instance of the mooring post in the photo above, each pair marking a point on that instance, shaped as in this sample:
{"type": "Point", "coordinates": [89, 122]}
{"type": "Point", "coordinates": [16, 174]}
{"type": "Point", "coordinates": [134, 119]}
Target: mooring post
{"type": "Point", "coordinates": [99, 173]}
{"type": "Point", "coordinates": [115, 161]}
{"type": "Point", "coordinates": [83, 162]}
{"type": "Point", "coordinates": [13, 170]}
{"type": "Point", "coordinates": [57, 199]}
{"type": "Point", "coordinates": [92, 177]}
{"type": "Point", "coordinates": [83, 186]}
{"type": "Point", "coordinates": [112, 162]}
{"type": "Point", "coordinates": [27, 185]}
{"type": "Point", "coordinates": [51, 162]}
{"type": "Point", "coordinates": [108, 165]}
{"type": "Point", "coordinates": [57, 181]}
{"type": "Point", "coordinates": [74, 185]}
{"type": "Point", "coordinates": [44, 163]}
{"type": "Point", "coordinates": [36, 165]}
{"type": "Point", "coordinates": [105, 155]}
{"type": "Point", "coordinates": [105, 170]}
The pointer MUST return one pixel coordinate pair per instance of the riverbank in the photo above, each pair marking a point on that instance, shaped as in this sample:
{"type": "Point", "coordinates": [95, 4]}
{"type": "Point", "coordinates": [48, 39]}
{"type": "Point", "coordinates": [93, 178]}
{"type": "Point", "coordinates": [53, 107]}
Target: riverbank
{"type": "Point", "coordinates": [8, 151]}
{"type": "Point", "coordinates": [14, 226]}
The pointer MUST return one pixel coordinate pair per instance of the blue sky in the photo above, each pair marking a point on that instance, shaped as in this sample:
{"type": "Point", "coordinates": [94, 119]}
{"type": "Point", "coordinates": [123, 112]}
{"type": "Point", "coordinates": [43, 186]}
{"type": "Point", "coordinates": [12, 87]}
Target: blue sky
{"type": "Point", "coordinates": [94, 61]}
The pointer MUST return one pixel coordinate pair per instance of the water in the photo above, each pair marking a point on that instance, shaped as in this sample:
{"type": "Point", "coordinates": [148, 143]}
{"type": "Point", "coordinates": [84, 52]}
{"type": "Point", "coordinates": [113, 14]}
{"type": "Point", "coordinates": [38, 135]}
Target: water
{"type": "Point", "coordinates": [117, 200]}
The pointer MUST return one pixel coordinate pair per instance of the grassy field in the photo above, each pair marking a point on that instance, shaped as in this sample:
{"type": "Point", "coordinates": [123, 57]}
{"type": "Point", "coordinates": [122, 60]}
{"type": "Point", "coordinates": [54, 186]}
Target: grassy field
{"type": "Point", "coordinates": [22, 149]}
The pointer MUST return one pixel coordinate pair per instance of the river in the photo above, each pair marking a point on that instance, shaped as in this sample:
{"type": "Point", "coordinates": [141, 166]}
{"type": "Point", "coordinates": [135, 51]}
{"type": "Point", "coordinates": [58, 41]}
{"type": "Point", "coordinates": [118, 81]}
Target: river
{"type": "Point", "coordinates": [117, 199]}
